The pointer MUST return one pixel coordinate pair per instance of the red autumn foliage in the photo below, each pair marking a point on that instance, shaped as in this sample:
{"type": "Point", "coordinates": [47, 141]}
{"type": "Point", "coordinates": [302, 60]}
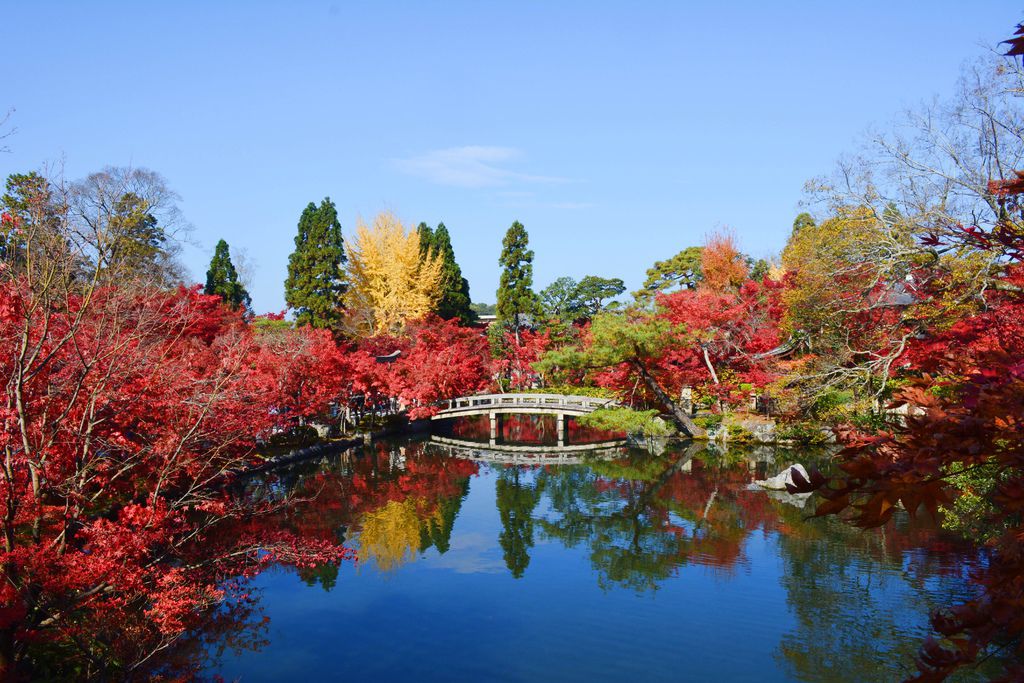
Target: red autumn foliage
{"type": "Point", "coordinates": [444, 360]}
{"type": "Point", "coordinates": [438, 360]}
{"type": "Point", "coordinates": [966, 412]}
{"type": "Point", "coordinates": [722, 337]}
{"type": "Point", "coordinates": [520, 353]}
{"type": "Point", "coordinates": [124, 413]}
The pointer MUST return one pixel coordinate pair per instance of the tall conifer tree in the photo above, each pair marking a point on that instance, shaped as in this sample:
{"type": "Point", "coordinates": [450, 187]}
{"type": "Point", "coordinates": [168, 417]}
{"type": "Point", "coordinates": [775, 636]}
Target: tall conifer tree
{"type": "Point", "coordinates": [222, 279]}
{"type": "Point", "coordinates": [315, 284]}
{"type": "Point", "coordinates": [455, 301]}
{"type": "Point", "coordinates": [516, 298]}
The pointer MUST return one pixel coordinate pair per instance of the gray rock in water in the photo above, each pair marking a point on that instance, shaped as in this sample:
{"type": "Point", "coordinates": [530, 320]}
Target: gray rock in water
{"type": "Point", "coordinates": [779, 481]}
{"type": "Point", "coordinates": [795, 499]}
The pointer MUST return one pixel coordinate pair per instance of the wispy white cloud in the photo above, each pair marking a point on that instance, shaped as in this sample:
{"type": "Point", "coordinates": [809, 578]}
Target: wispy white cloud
{"type": "Point", "coordinates": [471, 166]}
{"type": "Point", "coordinates": [570, 205]}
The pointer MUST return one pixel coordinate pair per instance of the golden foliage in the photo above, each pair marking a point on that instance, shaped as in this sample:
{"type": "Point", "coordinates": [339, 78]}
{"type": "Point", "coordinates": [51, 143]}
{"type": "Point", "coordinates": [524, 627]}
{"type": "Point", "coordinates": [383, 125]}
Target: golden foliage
{"type": "Point", "coordinates": [391, 281]}
{"type": "Point", "coordinates": [837, 263]}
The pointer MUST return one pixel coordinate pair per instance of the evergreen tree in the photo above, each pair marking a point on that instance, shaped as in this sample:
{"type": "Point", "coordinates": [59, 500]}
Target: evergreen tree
{"type": "Point", "coordinates": [315, 285]}
{"type": "Point", "coordinates": [682, 270]}
{"type": "Point", "coordinates": [222, 279]}
{"type": "Point", "coordinates": [137, 237]}
{"type": "Point", "coordinates": [455, 301]}
{"type": "Point", "coordinates": [26, 206]}
{"type": "Point", "coordinates": [803, 220]}
{"type": "Point", "coordinates": [515, 294]}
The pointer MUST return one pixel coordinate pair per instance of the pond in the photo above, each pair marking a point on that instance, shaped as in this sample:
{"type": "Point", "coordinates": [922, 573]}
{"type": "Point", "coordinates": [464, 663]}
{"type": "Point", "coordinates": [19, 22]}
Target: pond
{"type": "Point", "coordinates": [653, 564]}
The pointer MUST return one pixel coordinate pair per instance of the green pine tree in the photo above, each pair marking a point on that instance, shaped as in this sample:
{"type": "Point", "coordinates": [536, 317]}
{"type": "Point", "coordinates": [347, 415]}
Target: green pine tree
{"type": "Point", "coordinates": [803, 220]}
{"type": "Point", "coordinates": [516, 298]}
{"type": "Point", "coordinates": [455, 301]}
{"type": "Point", "coordinates": [315, 284]}
{"type": "Point", "coordinates": [222, 279]}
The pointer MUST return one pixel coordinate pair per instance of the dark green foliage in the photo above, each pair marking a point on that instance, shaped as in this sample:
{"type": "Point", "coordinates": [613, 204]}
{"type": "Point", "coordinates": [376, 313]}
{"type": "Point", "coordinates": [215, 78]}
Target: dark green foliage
{"type": "Point", "coordinates": [558, 299]}
{"type": "Point", "coordinates": [26, 200]}
{"type": "Point", "coordinates": [326, 575]}
{"type": "Point", "coordinates": [592, 291]}
{"type": "Point", "coordinates": [455, 301]}
{"type": "Point", "coordinates": [516, 299]}
{"type": "Point", "coordinates": [222, 279]}
{"type": "Point", "coordinates": [638, 342]}
{"type": "Point", "coordinates": [971, 513]}
{"type": "Point", "coordinates": [683, 270]}
{"type": "Point", "coordinates": [138, 242]}
{"type": "Point", "coordinates": [803, 220]}
{"type": "Point", "coordinates": [437, 530]}
{"type": "Point", "coordinates": [315, 284]}
{"type": "Point", "coordinates": [516, 500]}
{"type": "Point", "coordinates": [623, 419]}
{"type": "Point", "coordinates": [568, 301]}
{"type": "Point", "coordinates": [483, 309]}
{"type": "Point", "coordinates": [758, 269]}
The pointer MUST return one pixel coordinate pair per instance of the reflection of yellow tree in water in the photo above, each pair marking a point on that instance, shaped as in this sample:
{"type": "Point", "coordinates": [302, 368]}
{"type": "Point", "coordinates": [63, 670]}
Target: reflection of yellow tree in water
{"type": "Point", "coordinates": [392, 535]}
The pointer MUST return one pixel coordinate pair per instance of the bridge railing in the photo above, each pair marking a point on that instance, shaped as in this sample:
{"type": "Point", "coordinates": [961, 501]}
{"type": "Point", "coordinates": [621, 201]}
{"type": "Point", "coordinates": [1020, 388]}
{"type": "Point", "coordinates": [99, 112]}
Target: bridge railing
{"type": "Point", "coordinates": [470, 403]}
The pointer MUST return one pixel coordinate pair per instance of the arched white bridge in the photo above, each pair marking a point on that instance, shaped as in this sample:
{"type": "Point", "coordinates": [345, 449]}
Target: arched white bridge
{"type": "Point", "coordinates": [496, 405]}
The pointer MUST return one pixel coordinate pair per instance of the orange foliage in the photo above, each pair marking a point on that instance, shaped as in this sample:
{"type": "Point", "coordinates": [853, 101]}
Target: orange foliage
{"type": "Point", "coordinates": [722, 263]}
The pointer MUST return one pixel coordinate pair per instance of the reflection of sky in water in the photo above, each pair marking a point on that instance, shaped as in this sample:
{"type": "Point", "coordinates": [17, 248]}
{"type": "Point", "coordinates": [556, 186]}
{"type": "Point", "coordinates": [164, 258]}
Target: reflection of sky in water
{"type": "Point", "coordinates": [606, 594]}
{"type": "Point", "coordinates": [470, 553]}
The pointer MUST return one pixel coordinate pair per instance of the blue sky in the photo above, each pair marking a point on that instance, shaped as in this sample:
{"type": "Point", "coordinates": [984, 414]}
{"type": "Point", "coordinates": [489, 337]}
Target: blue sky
{"type": "Point", "coordinates": [617, 133]}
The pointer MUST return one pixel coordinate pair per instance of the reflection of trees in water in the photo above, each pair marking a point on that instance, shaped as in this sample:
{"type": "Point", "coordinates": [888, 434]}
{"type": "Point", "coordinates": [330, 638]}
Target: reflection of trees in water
{"type": "Point", "coordinates": [236, 627]}
{"type": "Point", "coordinates": [516, 498]}
{"type": "Point", "coordinates": [390, 535]}
{"type": "Point", "coordinates": [639, 518]}
{"type": "Point", "coordinates": [859, 597]}
{"type": "Point", "coordinates": [399, 499]}
{"type": "Point", "coordinates": [527, 429]}
{"type": "Point", "coordinates": [402, 500]}
{"type": "Point", "coordinates": [643, 516]}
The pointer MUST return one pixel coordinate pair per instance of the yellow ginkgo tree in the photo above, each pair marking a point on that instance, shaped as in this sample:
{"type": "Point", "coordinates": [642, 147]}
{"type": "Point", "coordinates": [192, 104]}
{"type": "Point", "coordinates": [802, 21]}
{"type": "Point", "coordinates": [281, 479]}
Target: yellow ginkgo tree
{"type": "Point", "coordinates": [391, 280]}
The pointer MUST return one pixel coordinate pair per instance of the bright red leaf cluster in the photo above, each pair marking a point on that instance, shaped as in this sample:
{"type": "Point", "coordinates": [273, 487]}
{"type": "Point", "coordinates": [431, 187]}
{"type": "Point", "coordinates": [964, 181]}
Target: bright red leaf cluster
{"type": "Point", "coordinates": [124, 413]}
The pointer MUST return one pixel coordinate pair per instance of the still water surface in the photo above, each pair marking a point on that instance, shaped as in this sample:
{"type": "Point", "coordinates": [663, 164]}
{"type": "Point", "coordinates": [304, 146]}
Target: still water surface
{"type": "Point", "coordinates": [617, 564]}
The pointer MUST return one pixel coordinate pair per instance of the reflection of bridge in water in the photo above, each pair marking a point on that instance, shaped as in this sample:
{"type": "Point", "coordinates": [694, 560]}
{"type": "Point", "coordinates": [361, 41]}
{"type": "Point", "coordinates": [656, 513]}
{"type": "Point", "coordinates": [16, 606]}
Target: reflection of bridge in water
{"type": "Point", "coordinates": [520, 454]}
{"type": "Point", "coordinates": [496, 405]}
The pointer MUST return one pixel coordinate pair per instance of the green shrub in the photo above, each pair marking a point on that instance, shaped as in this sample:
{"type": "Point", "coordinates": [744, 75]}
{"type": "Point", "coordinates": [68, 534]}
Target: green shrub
{"type": "Point", "coordinates": [738, 434]}
{"type": "Point", "coordinates": [643, 422]}
{"type": "Point", "coordinates": [804, 433]}
{"type": "Point", "coordinates": [831, 405]}
{"type": "Point", "coordinates": [708, 422]}
{"type": "Point", "coordinates": [971, 511]}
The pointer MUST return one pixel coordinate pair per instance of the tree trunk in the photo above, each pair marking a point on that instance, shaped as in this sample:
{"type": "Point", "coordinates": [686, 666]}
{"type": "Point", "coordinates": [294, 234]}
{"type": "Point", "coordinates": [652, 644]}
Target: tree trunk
{"type": "Point", "coordinates": [679, 416]}
{"type": "Point", "coordinates": [707, 361]}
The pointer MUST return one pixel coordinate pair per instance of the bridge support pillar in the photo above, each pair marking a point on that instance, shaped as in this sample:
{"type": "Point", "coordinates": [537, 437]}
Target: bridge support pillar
{"type": "Point", "coordinates": [560, 420]}
{"type": "Point", "coordinates": [495, 427]}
